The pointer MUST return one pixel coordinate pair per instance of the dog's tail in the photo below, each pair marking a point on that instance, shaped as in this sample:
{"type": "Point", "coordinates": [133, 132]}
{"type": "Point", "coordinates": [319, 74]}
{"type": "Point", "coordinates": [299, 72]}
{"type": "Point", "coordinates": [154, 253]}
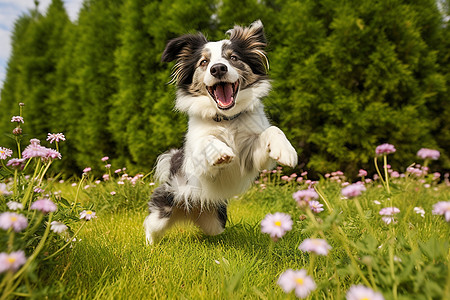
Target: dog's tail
{"type": "Point", "coordinates": [163, 165]}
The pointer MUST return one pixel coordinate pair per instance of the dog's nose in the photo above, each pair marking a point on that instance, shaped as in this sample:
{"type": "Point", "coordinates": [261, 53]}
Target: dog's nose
{"type": "Point", "coordinates": [218, 70]}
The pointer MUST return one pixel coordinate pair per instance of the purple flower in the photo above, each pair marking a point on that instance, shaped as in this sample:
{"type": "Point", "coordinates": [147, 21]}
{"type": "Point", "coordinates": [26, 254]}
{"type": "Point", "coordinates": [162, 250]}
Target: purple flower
{"type": "Point", "coordinates": [16, 163]}
{"type": "Point", "coordinates": [305, 196]}
{"type": "Point", "coordinates": [5, 152]}
{"type": "Point", "coordinates": [360, 292]}
{"type": "Point", "coordinates": [425, 153]}
{"type": "Point", "coordinates": [12, 261]}
{"type": "Point", "coordinates": [442, 208]}
{"type": "Point", "coordinates": [51, 153]}
{"type": "Point", "coordinates": [12, 220]}
{"type": "Point", "coordinates": [298, 281]}
{"type": "Point", "coordinates": [34, 150]}
{"type": "Point", "coordinates": [318, 246]}
{"type": "Point", "coordinates": [385, 149]}
{"type": "Point", "coordinates": [276, 225]}
{"type": "Point", "coordinates": [87, 215]}
{"type": "Point", "coordinates": [315, 206]}
{"type": "Point", "coordinates": [44, 205]}
{"type": "Point", "coordinates": [353, 190]}
{"type": "Point", "coordinates": [17, 119]}
{"type": "Point", "coordinates": [55, 137]}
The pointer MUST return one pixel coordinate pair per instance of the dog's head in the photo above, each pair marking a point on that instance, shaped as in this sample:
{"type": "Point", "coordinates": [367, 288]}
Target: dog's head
{"type": "Point", "coordinates": [226, 77]}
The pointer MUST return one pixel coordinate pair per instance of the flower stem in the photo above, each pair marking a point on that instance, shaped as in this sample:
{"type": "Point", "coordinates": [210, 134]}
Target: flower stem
{"type": "Point", "coordinates": [68, 241]}
{"type": "Point", "coordinates": [386, 174]}
{"type": "Point", "coordinates": [378, 171]}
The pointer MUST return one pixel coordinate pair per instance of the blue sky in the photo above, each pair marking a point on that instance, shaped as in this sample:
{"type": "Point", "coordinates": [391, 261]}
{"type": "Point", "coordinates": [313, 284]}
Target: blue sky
{"type": "Point", "coordinates": [10, 10]}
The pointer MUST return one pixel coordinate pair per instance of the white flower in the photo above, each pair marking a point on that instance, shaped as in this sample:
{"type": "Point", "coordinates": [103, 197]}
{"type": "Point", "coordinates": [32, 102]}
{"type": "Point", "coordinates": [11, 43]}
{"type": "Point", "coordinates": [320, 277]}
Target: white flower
{"type": "Point", "coordinates": [420, 210]}
{"type": "Point", "coordinates": [318, 246]}
{"type": "Point", "coordinates": [87, 215]}
{"type": "Point", "coordinates": [58, 227]}
{"type": "Point", "coordinates": [13, 205]}
{"type": "Point", "coordinates": [297, 280]}
{"type": "Point", "coordinates": [361, 292]}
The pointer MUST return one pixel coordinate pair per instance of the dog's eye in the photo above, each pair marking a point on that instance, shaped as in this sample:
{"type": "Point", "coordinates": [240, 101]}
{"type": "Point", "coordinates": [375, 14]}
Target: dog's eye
{"type": "Point", "coordinates": [233, 57]}
{"type": "Point", "coordinates": [204, 62]}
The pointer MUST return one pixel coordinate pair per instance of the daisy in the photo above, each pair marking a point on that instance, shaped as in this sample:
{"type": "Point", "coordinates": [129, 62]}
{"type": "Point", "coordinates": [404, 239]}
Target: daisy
{"type": "Point", "coordinates": [442, 208]}
{"type": "Point", "coordinates": [55, 137]}
{"type": "Point", "coordinates": [360, 292]}
{"type": "Point", "coordinates": [315, 206]}
{"type": "Point", "coordinates": [44, 205]}
{"type": "Point", "coordinates": [353, 190]}
{"type": "Point", "coordinates": [385, 149]}
{"type": "Point", "coordinates": [318, 246]}
{"type": "Point", "coordinates": [87, 215]}
{"type": "Point", "coordinates": [276, 225]}
{"type": "Point", "coordinates": [58, 227]}
{"type": "Point", "coordinates": [12, 261]}
{"type": "Point", "coordinates": [298, 281]}
{"type": "Point", "coordinates": [13, 205]}
{"type": "Point", "coordinates": [5, 152]}
{"type": "Point", "coordinates": [12, 220]}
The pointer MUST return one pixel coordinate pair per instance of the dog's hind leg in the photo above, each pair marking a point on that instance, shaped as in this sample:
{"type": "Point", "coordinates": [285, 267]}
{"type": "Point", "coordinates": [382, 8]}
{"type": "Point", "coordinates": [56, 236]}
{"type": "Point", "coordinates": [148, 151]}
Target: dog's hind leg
{"type": "Point", "coordinates": [159, 219]}
{"type": "Point", "coordinates": [212, 221]}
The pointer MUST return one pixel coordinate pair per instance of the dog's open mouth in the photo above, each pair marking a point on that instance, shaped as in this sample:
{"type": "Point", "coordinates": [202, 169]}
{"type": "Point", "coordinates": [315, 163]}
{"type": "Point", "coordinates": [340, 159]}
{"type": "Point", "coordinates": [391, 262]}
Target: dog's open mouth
{"type": "Point", "coordinates": [224, 93]}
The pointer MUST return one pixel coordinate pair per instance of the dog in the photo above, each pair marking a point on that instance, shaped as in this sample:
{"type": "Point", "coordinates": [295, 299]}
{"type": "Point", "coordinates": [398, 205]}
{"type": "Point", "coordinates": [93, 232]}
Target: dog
{"type": "Point", "coordinates": [229, 138]}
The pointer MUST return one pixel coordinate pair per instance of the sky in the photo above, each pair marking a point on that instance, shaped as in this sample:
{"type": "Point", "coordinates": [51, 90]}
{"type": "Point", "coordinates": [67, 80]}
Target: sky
{"type": "Point", "coordinates": [10, 10]}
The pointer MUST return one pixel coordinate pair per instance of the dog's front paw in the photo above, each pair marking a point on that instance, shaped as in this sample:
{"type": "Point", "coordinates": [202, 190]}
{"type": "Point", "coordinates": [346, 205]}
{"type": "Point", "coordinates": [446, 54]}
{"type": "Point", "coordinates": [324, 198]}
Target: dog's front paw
{"type": "Point", "coordinates": [280, 149]}
{"type": "Point", "coordinates": [219, 154]}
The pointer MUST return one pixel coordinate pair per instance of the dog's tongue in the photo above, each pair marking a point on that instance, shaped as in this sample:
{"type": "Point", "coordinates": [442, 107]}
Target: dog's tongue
{"type": "Point", "coordinates": [224, 94]}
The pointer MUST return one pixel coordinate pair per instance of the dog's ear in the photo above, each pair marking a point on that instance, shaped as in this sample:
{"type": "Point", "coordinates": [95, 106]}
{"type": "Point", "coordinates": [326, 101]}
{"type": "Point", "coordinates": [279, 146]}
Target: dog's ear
{"type": "Point", "coordinates": [252, 41]}
{"type": "Point", "coordinates": [182, 46]}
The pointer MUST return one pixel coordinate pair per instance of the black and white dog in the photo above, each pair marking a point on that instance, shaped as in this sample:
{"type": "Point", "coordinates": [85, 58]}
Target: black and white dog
{"type": "Point", "coordinates": [229, 138]}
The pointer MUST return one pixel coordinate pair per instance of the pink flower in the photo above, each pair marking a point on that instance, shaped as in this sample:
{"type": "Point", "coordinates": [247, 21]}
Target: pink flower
{"type": "Point", "coordinates": [87, 215]}
{"type": "Point", "coordinates": [4, 189]}
{"type": "Point", "coordinates": [389, 211]}
{"type": "Point", "coordinates": [87, 170]}
{"type": "Point", "coordinates": [285, 178]}
{"type": "Point", "coordinates": [118, 171]}
{"type": "Point", "coordinates": [353, 190]}
{"type": "Point", "coordinates": [425, 153]}
{"type": "Point", "coordinates": [315, 206]}
{"type": "Point", "coordinates": [385, 149]}
{"type": "Point", "coordinates": [44, 205]}
{"type": "Point", "coordinates": [5, 152]}
{"type": "Point", "coordinates": [16, 163]}
{"type": "Point", "coordinates": [105, 158]}
{"type": "Point", "coordinates": [298, 281]}
{"type": "Point", "coordinates": [34, 150]}
{"type": "Point", "coordinates": [17, 119]}
{"type": "Point", "coordinates": [276, 225]}
{"type": "Point", "coordinates": [108, 166]}
{"type": "Point", "coordinates": [360, 292]}
{"type": "Point", "coordinates": [318, 246]}
{"type": "Point", "coordinates": [113, 193]}
{"type": "Point", "coordinates": [305, 195]}
{"type": "Point", "coordinates": [55, 137]}
{"type": "Point", "coordinates": [442, 208]}
{"type": "Point", "coordinates": [105, 177]}
{"type": "Point", "coordinates": [362, 173]}
{"type": "Point", "coordinates": [12, 220]}
{"type": "Point", "coordinates": [12, 261]}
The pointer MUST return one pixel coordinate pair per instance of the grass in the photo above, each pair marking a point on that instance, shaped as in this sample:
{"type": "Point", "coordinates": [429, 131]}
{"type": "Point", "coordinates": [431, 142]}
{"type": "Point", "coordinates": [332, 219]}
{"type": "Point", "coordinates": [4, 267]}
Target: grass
{"type": "Point", "coordinates": [405, 260]}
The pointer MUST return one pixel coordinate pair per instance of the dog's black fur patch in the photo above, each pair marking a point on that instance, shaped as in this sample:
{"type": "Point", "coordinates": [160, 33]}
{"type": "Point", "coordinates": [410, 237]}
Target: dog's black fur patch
{"type": "Point", "coordinates": [162, 201]}
{"type": "Point", "coordinates": [176, 162]}
{"type": "Point", "coordinates": [222, 214]}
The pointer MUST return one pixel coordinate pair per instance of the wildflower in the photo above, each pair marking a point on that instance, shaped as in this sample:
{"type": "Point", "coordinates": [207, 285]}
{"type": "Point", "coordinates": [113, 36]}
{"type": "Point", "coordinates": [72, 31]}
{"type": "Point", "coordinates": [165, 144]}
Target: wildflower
{"type": "Point", "coordinates": [12, 220]}
{"type": "Point", "coordinates": [151, 183]}
{"type": "Point", "coordinates": [118, 171]}
{"type": "Point", "coordinates": [108, 166]}
{"type": "Point", "coordinates": [38, 190]}
{"type": "Point", "coordinates": [51, 153]}
{"type": "Point", "coordinates": [87, 170]}
{"type": "Point", "coordinates": [297, 280]}
{"type": "Point", "coordinates": [58, 227]}
{"type": "Point", "coordinates": [353, 190]}
{"type": "Point", "coordinates": [4, 190]}
{"type": "Point", "coordinates": [113, 193]}
{"type": "Point", "coordinates": [385, 149]}
{"type": "Point", "coordinates": [17, 119]}
{"type": "Point", "coordinates": [12, 261]}
{"type": "Point", "coordinates": [17, 131]}
{"type": "Point", "coordinates": [362, 173]}
{"type": "Point", "coordinates": [285, 178]}
{"type": "Point", "coordinates": [105, 158]}
{"type": "Point", "coordinates": [5, 152]}
{"type": "Point", "coordinates": [105, 177]}
{"type": "Point", "coordinates": [276, 225]}
{"type": "Point", "coordinates": [16, 163]}
{"type": "Point", "coordinates": [318, 246]}
{"type": "Point", "coordinates": [442, 208]}
{"type": "Point", "coordinates": [315, 206]}
{"type": "Point", "coordinates": [34, 150]}
{"type": "Point", "coordinates": [305, 196]}
{"type": "Point", "coordinates": [361, 292]}
{"type": "Point", "coordinates": [120, 182]}
{"type": "Point", "coordinates": [55, 137]}
{"type": "Point", "coordinates": [425, 153]}
{"type": "Point", "coordinates": [87, 215]}
{"type": "Point", "coordinates": [13, 205]}
{"type": "Point", "coordinates": [74, 184]}
{"type": "Point", "coordinates": [44, 205]}
{"type": "Point", "coordinates": [388, 214]}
